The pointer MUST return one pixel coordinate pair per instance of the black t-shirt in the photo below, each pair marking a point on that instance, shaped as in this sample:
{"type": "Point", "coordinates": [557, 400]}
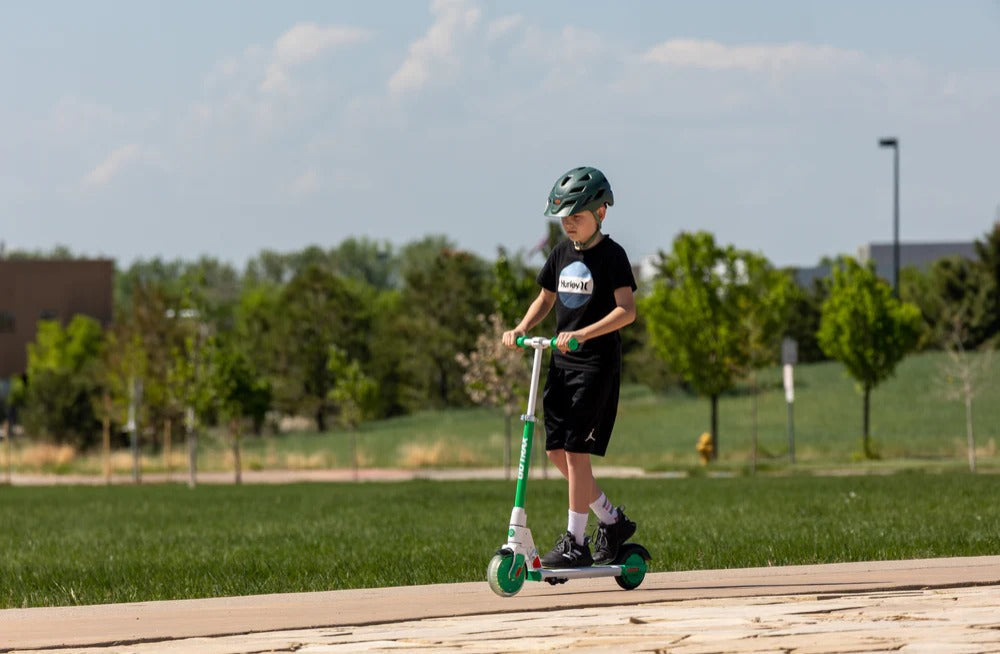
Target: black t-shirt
{"type": "Point", "coordinates": [584, 283]}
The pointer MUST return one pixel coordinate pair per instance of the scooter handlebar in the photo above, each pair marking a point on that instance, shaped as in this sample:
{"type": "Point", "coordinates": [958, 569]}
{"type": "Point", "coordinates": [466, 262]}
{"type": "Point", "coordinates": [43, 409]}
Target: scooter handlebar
{"type": "Point", "coordinates": [524, 341]}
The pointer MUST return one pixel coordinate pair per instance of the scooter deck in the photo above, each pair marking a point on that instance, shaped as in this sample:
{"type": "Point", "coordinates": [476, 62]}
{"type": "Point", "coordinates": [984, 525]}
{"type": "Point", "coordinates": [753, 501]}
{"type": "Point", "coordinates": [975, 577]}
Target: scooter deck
{"type": "Point", "coordinates": [577, 573]}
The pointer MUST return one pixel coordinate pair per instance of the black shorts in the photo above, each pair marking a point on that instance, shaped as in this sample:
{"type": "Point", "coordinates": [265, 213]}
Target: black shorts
{"type": "Point", "coordinates": [580, 409]}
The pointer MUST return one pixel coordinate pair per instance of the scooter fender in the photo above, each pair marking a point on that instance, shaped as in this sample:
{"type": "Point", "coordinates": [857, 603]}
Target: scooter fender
{"type": "Point", "coordinates": [519, 541]}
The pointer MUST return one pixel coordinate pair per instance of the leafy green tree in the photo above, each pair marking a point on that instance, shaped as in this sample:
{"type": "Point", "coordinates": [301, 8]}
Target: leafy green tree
{"type": "Point", "coordinates": [988, 308]}
{"type": "Point", "coordinates": [715, 313]}
{"type": "Point", "coordinates": [513, 287]}
{"type": "Point", "coordinates": [765, 309]}
{"type": "Point", "coordinates": [63, 366]}
{"type": "Point", "coordinates": [953, 289]}
{"type": "Point", "coordinates": [239, 392]}
{"type": "Point", "coordinates": [353, 394]}
{"type": "Point", "coordinates": [442, 301]}
{"type": "Point", "coordinates": [368, 261]}
{"type": "Point", "coordinates": [868, 330]}
{"type": "Point", "coordinates": [802, 321]}
{"type": "Point", "coordinates": [315, 310]}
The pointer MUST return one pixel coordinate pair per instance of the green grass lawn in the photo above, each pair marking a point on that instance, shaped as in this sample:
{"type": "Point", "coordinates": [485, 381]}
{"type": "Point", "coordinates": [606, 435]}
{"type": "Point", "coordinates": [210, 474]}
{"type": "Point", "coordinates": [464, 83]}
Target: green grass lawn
{"type": "Point", "coordinates": [913, 423]}
{"type": "Point", "coordinates": [912, 419]}
{"type": "Point", "coordinates": [83, 545]}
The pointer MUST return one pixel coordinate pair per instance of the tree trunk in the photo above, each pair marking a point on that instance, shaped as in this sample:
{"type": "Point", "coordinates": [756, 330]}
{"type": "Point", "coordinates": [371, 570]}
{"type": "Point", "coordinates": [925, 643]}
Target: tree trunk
{"type": "Point", "coordinates": [715, 427]}
{"type": "Point", "coordinates": [192, 443]}
{"type": "Point", "coordinates": [8, 432]}
{"type": "Point", "coordinates": [865, 413]}
{"type": "Point", "coordinates": [167, 426]}
{"type": "Point", "coordinates": [106, 439]}
{"type": "Point", "coordinates": [320, 419]}
{"type": "Point", "coordinates": [234, 429]}
{"type": "Point", "coordinates": [356, 463]}
{"type": "Point", "coordinates": [971, 440]}
{"type": "Point", "coordinates": [753, 423]}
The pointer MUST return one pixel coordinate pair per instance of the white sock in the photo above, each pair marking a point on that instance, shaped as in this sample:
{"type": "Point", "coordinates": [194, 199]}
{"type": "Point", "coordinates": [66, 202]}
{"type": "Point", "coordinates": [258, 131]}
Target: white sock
{"type": "Point", "coordinates": [605, 510]}
{"type": "Point", "coordinates": [577, 525]}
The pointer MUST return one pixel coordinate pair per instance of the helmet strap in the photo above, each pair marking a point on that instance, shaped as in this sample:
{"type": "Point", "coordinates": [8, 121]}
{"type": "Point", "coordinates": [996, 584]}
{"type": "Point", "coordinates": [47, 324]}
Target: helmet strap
{"type": "Point", "coordinates": [583, 245]}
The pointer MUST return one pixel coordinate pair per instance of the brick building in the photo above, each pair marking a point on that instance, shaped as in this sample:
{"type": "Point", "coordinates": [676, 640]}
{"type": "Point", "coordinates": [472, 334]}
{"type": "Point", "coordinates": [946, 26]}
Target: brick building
{"type": "Point", "coordinates": [37, 289]}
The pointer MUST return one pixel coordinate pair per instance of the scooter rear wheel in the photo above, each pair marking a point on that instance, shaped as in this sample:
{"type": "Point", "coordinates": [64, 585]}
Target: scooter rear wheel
{"type": "Point", "coordinates": [506, 574]}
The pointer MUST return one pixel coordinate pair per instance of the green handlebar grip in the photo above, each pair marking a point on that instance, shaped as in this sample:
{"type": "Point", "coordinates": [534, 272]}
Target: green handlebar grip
{"type": "Point", "coordinates": [573, 343]}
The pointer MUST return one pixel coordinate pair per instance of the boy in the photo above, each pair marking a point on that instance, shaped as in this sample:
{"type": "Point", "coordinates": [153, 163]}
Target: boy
{"type": "Point", "coordinates": [589, 280]}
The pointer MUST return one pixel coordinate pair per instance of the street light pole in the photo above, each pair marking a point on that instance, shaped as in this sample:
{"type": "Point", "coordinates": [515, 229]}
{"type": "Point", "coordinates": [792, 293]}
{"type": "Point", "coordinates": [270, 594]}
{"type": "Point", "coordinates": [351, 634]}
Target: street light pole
{"type": "Point", "coordinates": [894, 144]}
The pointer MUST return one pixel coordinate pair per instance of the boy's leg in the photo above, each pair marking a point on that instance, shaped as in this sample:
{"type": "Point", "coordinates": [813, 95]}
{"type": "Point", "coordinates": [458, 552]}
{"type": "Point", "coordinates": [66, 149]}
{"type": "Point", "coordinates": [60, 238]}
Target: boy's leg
{"type": "Point", "coordinates": [558, 459]}
{"type": "Point", "coordinates": [572, 550]}
{"type": "Point", "coordinates": [583, 488]}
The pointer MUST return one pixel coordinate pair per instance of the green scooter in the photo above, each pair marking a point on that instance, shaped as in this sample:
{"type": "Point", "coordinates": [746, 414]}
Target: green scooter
{"type": "Point", "coordinates": [518, 560]}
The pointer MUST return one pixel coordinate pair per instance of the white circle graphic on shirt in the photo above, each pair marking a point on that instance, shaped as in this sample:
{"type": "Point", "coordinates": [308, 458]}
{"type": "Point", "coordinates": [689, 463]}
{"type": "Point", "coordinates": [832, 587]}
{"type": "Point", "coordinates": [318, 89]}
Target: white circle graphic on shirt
{"type": "Point", "coordinates": [576, 285]}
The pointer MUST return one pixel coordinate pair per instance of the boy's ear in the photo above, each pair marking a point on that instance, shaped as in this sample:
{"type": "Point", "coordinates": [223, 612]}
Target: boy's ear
{"type": "Point", "coordinates": [602, 211]}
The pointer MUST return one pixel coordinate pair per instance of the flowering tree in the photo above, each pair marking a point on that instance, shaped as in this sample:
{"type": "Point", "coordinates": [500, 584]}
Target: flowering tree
{"type": "Point", "coordinates": [495, 375]}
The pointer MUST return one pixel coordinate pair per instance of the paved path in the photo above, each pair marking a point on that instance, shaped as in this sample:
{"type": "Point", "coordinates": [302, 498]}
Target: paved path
{"type": "Point", "coordinates": [929, 605]}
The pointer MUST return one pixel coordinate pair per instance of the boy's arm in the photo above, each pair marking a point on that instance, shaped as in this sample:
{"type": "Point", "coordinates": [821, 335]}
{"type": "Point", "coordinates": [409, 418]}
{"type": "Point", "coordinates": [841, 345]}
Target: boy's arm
{"type": "Point", "coordinates": [623, 314]}
{"type": "Point", "coordinates": [539, 308]}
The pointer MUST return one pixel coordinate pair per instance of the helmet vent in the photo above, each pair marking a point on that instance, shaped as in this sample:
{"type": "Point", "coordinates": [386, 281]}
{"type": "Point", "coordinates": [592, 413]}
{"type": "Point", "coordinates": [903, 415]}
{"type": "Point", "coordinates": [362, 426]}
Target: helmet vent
{"type": "Point", "coordinates": [577, 189]}
{"type": "Point", "coordinates": [586, 178]}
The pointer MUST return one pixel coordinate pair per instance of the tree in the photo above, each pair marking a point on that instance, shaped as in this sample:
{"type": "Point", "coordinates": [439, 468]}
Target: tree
{"type": "Point", "coordinates": [353, 394]}
{"type": "Point", "coordinates": [239, 392]}
{"type": "Point", "coordinates": [315, 310]}
{"type": "Point", "coordinates": [513, 287]}
{"type": "Point", "coordinates": [954, 288]}
{"type": "Point", "coordinates": [868, 330]}
{"type": "Point", "coordinates": [495, 376]}
{"type": "Point", "coordinates": [803, 318]}
{"type": "Point", "coordinates": [765, 311]}
{"type": "Point", "coordinates": [442, 300]}
{"type": "Point", "coordinates": [697, 314]}
{"type": "Point", "coordinates": [988, 308]}
{"type": "Point", "coordinates": [964, 372]}
{"type": "Point", "coordinates": [63, 367]}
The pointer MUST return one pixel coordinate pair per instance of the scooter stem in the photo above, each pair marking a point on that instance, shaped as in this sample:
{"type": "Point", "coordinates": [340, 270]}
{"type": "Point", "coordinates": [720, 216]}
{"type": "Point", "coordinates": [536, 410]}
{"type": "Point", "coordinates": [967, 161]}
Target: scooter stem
{"type": "Point", "coordinates": [529, 430]}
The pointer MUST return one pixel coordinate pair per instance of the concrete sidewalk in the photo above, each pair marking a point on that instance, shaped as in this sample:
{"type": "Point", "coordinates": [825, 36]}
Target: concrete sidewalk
{"type": "Point", "coordinates": [856, 607]}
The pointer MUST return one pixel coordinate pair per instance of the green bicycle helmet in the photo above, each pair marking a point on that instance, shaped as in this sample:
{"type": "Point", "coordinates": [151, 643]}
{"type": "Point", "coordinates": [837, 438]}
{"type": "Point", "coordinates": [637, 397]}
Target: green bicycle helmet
{"type": "Point", "coordinates": [581, 189]}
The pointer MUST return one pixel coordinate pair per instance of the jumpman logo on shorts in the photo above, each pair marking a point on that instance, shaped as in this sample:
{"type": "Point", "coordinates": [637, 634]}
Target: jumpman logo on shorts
{"type": "Point", "coordinates": [590, 436]}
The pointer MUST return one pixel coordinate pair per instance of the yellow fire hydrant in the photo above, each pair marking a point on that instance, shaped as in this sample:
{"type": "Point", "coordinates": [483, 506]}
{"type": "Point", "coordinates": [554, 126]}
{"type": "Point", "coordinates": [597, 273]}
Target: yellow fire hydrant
{"type": "Point", "coordinates": [705, 448]}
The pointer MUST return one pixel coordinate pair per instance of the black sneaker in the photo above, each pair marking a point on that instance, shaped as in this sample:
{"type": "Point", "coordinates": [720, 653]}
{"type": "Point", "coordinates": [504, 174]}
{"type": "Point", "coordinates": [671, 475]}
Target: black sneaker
{"type": "Point", "coordinates": [568, 554]}
{"type": "Point", "coordinates": [608, 538]}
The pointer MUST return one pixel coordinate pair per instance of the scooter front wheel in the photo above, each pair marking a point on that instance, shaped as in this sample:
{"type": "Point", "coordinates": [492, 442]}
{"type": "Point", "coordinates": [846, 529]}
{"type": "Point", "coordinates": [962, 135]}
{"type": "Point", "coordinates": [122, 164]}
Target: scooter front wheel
{"type": "Point", "coordinates": [506, 574]}
{"type": "Point", "coordinates": [634, 560]}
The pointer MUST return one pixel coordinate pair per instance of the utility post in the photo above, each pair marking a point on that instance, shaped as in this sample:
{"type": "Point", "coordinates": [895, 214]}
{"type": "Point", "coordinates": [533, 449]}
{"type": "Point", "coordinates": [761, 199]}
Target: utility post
{"type": "Point", "coordinates": [789, 357]}
{"type": "Point", "coordinates": [894, 144]}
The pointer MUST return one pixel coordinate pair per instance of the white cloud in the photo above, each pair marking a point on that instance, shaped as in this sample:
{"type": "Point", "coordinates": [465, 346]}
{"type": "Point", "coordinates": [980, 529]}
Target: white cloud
{"type": "Point", "coordinates": [503, 25]}
{"type": "Point", "coordinates": [712, 55]}
{"type": "Point", "coordinates": [113, 164]}
{"type": "Point", "coordinates": [306, 184]}
{"type": "Point", "coordinates": [306, 42]}
{"type": "Point", "coordinates": [435, 49]}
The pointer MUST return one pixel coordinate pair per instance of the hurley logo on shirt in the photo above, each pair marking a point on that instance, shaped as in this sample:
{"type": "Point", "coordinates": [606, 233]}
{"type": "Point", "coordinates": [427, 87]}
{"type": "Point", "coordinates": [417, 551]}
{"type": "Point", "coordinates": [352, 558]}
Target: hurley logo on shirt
{"type": "Point", "coordinates": [576, 285]}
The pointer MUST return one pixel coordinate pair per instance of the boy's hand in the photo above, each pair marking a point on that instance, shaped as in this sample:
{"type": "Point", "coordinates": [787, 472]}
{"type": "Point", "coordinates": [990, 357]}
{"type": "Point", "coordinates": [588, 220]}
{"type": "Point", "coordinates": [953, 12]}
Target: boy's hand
{"type": "Point", "coordinates": [562, 340]}
{"type": "Point", "coordinates": [510, 338]}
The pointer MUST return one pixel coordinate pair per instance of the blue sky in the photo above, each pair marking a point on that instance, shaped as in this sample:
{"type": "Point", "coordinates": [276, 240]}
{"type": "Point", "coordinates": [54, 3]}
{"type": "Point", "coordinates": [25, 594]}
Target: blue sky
{"type": "Point", "coordinates": [179, 129]}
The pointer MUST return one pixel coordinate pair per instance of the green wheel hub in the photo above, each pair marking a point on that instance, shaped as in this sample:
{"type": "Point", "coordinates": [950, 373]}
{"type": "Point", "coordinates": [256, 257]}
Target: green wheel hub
{"type": "Point", "coordinates": [506, 574]}
{"type": "Point", "coordinates": [633, 571]}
